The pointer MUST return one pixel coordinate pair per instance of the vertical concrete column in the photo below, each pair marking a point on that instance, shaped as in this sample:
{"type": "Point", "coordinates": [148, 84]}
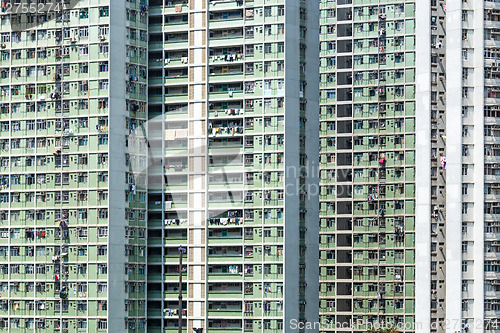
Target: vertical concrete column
{"type": "Point", "coordinates": [453, 165]}
{"type": "Point", "coordinates": [197, 141]}
{"type": "Point", "coordinates": [478, 158]}
{"type": "Point", "coordinates": [423, 170]}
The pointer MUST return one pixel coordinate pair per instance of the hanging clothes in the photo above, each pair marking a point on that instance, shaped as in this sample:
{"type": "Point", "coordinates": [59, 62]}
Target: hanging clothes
{"type": "Point", "coordinates": [443, 162]}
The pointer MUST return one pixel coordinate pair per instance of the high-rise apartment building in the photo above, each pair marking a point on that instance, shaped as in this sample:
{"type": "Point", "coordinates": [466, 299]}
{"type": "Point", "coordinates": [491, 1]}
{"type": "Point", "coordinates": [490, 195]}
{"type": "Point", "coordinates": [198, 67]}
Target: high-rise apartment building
{"type": "Point", "coordinates": [195, 119]}
{"type": "Point", "coordinates": [461, 272]}
{"type": "Point", "coordinates": [233, 100]}
{"type": "Point", "coordinates": [73, 217]}
{"type": "Point", "coordinates": [130, 129]}
{"type": "Point", "coordinates": [367, 217]}
{"type": "Point", "coordinates": [408, 231]}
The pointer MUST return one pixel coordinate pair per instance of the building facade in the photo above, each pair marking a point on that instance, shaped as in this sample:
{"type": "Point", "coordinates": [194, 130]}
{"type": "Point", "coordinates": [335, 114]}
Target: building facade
{"type": "Point", "coordinates": [408, 109]}
{"type": "Point", "coordinates": [462, 266]}
{"type": "Point", "coordinates": [214, 147]}
{"type": "Point", "coordinates": [73, 214]}
{"type": "Point", "coordinates": [367, 117]}
{"type": "Point", "coordinates": [211, 108]}
{"type": "Point", "coordinates": [233, 128]}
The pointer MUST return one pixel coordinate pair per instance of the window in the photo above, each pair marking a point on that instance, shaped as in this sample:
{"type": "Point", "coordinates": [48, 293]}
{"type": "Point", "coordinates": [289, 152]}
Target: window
{"type": "Point", "coordinates": [83, 141]}
{"type": "Point", "coordinates": [104, 12]}
{"type": "Point", "coordinates": [104, 84]}
{"type": "Point", "coordinates": [102, 324]}
{"type": "Point", "coordinates": [83, 122]}
{"type": "Point", "coordinates": [102, 269]}
{"type": "Point", "coordinates": [83, 50]}
{"type": "Point", "coordinates": [103, 139]}
{"type": "Point", "coordinates": [83, 68]}
{"type": "Point", "coordinates": [103, 306]}
{"type": "Point", "coordinates": [103, 30]}
{"type": "Point", "coordinates": [330, 94]}
{"type": "Point", "coordinates": [104, 48]}
{"type": "Point", "coordinates": [82, 306]}
{"type": "Point", "coordinates": [15, 233]}
{"type": "Point", "coordinates": [83, 32]}
{"type": "Point", "coordinates": [40, 269]}
{"type": "Point", "coordinates": [464, 189]}
{"type": "Point", "coordinates": [30, 125]}
{"type": "Point", "coordinates": [102, 287]}
{"type": "Point", "coordinates": [104, 67]}
{"type": "Point", "coordinates": [82, 251]}
{"type": "Point", "coordinates": [102, 250]}
{"type": "Point", "coordinates": [465, 207]}
{"type": "Point", "coordinates": [14, 269]}
{"type": "Point", "coordinates": [29, 269]}
{"type": "Point", "coordinates": [103, 232]}
{"type": "Point", "coordinates": [82, 323]}
{"type": "Point", "coordinates": [103, 213]}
